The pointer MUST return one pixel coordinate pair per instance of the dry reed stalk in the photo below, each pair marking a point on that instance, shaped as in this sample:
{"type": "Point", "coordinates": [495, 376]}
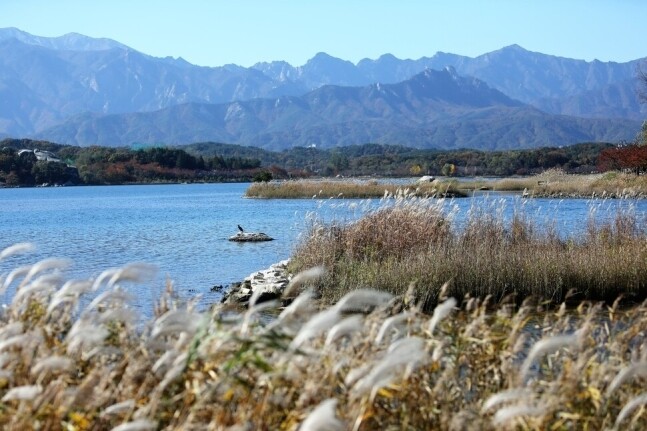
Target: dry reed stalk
{"type": "Point", "coordinates": [190, 370]}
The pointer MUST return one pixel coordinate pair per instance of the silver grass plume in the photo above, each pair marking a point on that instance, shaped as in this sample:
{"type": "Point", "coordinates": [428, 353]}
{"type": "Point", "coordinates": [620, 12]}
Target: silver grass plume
{"type": "Point", "coordinates": [118, 408]}
{"type": "Point", "coordinates": [177, 368]}
{"type": "Point", "coordinates": [175, 322]}
{"type": "Point", "coordinates": [361, 299]}
{"type": "Point", "coordinates": [13, 275]}
{"type": "Point", "coordinates": [630, 407]}
{"type": "Point", "coordinates": [52, 363]}
{"type": "Point", "coordinates": [46, 265]}
{"type": "Point", "coordinates": [514, 394]}
{"type": "Point", "coordinates": [252, 311]}
{"type": "Point", "coordinates": [405, 353]}
{"type": "Point", "coordinates": [21, 339]}
{"type": "Point", "coordinates": [137, 425]}
{"type": "Point", "coordinates": [45, 284]}
{"type": "Point", "coordinates": [357, 373]}
{"type": "Point", "coordinates": [11, 330]}
{"type": "Point", "coordinates": [302, 278]}
{"type": "Point", "coordinates": [23, 393]}
{"type": "Point", "coordinates": [507, 414]}
{"type": "Point", "coordinates": [136, 272]}
{"type": "Point", "coordinates": [110, 298]}
{"type": "Point", "coordinates": [319, 323]}
{"type": "Point", "coordinates": [69, 292]}
{"type": "Point", "coordinates": [86, 334]}
{"type": "Point", "coordinates": [20, 248]}
{"type": "Point", "coordinates": [347, 326]}
{"type": "Point", "coordinates": [323, 418]}
{"type": "Point", "coordinates": [105, 275]}
{"type": "Point", "coordinates": [629, 372]}
{"type": "Point", "coordinates": [440, 312]}
{"type": "Point", "coordinates": [165, 361]}
{"type": "Point", "coordinates": [118, 314]}
{"type": "Point", "coordinates": [301, 305]}
{"type": "Point", "coordinates": [544, 347]}
{"type": "Point", "coordinates": [391, 323]}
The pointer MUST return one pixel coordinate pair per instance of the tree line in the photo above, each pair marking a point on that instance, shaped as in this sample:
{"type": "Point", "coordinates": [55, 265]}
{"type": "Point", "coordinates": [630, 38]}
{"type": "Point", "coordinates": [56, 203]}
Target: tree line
{"type": "Point", "coordinates": [103, 165]}
{"type": "Point", "coordinates": [201, 162]}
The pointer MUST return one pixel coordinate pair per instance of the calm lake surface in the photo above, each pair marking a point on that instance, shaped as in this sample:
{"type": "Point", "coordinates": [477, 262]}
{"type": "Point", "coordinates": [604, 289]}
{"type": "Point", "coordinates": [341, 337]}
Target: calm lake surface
{"type": "Point", "coordinates": [183, 229]}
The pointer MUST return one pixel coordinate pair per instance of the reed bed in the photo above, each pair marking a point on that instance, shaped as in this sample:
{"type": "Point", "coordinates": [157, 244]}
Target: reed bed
{"type": "Point", "coordinates": [556, 183]}
{"type": "Point", "coordinates": [416, 241]}
{"type": "Point", "coordinates": [371, 361]}
{"type": "Point", "coordinates": [326, 189]}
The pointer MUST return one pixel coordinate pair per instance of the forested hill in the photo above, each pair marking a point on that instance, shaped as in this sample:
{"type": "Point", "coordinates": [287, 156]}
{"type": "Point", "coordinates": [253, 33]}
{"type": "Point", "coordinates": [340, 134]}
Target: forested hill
{"type": "Point", "coordinates": [25, 162]}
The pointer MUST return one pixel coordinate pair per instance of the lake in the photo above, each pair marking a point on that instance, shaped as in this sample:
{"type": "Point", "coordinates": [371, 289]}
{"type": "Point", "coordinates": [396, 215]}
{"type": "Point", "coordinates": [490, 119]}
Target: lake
{"type": "Point", "coordinates": [183, 229]}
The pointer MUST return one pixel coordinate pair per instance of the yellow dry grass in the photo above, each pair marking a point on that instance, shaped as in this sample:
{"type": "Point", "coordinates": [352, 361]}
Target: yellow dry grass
{"type": "Point", "coordinates": [370, 362]}
{"type": "Point", "coordinates": [326, 189]}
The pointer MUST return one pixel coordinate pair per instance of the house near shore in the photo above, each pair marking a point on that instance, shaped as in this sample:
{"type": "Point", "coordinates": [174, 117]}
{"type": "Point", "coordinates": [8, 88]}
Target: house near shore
{"type": "Point", "coordinates": [41, 155]}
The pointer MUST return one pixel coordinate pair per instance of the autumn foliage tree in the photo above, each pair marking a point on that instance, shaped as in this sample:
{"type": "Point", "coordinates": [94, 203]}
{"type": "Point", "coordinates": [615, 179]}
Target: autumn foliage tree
{"type": "Point", "coordinates": [631, 157]}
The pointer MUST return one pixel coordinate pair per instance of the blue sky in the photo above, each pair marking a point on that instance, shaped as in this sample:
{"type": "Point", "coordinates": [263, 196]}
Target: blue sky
{"type": "Point", "coordinates": [213, 33]}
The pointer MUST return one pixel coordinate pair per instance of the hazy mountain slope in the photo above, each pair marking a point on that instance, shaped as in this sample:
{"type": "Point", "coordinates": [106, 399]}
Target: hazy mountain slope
{"type": "Point", "coordinates": [433, 109]}
{"type": "Point", "coordinates": [620, 100]}
{"type": "Point", "coordinates": [56, 84]}
{"type": "Point", "coordinates": [47, 81]}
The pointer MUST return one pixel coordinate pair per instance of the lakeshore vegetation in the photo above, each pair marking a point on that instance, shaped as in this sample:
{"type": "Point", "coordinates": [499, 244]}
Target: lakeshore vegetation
{"type": "Point", "coordinates": [214, 162]}
{"type": "Point", "coordinates": [74, 357]}
{"type": "Point", "coordinates": [551, 183]}
{"type": "Point", "coordinates": [417, 241]}
{"type": "Point", "coordinates": [402, 319]}
{"type": "Point", "coordinates": [361, 189]}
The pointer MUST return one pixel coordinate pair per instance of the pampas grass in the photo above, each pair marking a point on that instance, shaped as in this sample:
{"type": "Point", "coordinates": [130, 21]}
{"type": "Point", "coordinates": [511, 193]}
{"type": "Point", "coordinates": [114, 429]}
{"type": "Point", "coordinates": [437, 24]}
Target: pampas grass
{"type": "Point", "coordinates": [323, 418]}
{"type": "Point", "coordinates": [417, 242]}
{"type": "Point", "coordinates": [545, 347]}
{"type": "Point", "coordinates": [346, 327]}
{"type": "Point", "coordinates": [52, 364]}
{"type": "Point", "coordinates": [440, 312]}
{"type": "Point", "coordinates": [16, 249]}
{"type": "Point", "coordinates": [301, 279]}
{"type": "Point", "coordinates": [138, 425]}
{"type": "Point", "coordinates": [515, 394]}
{"type": "Point", "coordinates": [626, 374]}
{"type": "Point", "coordinates": [22, 393]}
{"type": "Point", "coordinates": [372, 360]}
{"type": "Point", "coordinates": [508, 414]}
{"type": "Point", "coordinates": [632, 405]}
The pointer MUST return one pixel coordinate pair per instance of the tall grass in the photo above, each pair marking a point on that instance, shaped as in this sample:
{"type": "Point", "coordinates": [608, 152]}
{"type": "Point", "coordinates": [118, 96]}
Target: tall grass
{"type": "Point", "coordinates": [345, 189]}
{"type": "Point", "coordinates": [72, 366]}
{"type": "Point", "coordinates": [555, 182]}
{"type": "Point", "coordinates": [415, 241]}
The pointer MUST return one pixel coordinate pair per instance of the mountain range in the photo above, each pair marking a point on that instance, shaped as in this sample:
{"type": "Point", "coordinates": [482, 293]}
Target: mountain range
{"type": "Point", "coordinates": [79, 90]}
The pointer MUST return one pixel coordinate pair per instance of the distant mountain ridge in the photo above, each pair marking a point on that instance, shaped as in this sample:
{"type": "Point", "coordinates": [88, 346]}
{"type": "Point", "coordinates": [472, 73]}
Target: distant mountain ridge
{"type": "Point", "coordinates": [434, 109]}
{"type": "Point", "coordinates": [69, 41]}
{"type": "Point", "coordinates": [524, 75]}
{"type": "Point", "coordinates": [47, 85]}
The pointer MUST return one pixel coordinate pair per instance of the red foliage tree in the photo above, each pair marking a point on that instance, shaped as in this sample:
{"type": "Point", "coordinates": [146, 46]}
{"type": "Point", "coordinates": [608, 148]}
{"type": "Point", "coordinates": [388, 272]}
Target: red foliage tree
{"type": "Point", "coordinates": [630, 157]}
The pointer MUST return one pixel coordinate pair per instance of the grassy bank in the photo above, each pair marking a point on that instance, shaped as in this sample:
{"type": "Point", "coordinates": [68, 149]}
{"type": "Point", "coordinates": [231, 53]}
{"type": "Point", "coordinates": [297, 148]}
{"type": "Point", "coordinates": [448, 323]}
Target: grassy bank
{"type": "Point", "coordinates": [556, 183]}
{"type": "Point", "coordinates": [69, 364]}
{"type": "Point", "coordinates": [551, 183]}
{"type": "Point", "coordinates": [414, 241]}
{"type": "Point", "coordinates": [325, 189]}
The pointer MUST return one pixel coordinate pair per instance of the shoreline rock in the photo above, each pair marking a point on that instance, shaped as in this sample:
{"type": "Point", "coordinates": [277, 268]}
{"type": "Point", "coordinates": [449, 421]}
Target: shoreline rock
{"type": "Point", "coordinates": [271, 282]}
{"type": "Point", "coordinates": [250, 237]}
